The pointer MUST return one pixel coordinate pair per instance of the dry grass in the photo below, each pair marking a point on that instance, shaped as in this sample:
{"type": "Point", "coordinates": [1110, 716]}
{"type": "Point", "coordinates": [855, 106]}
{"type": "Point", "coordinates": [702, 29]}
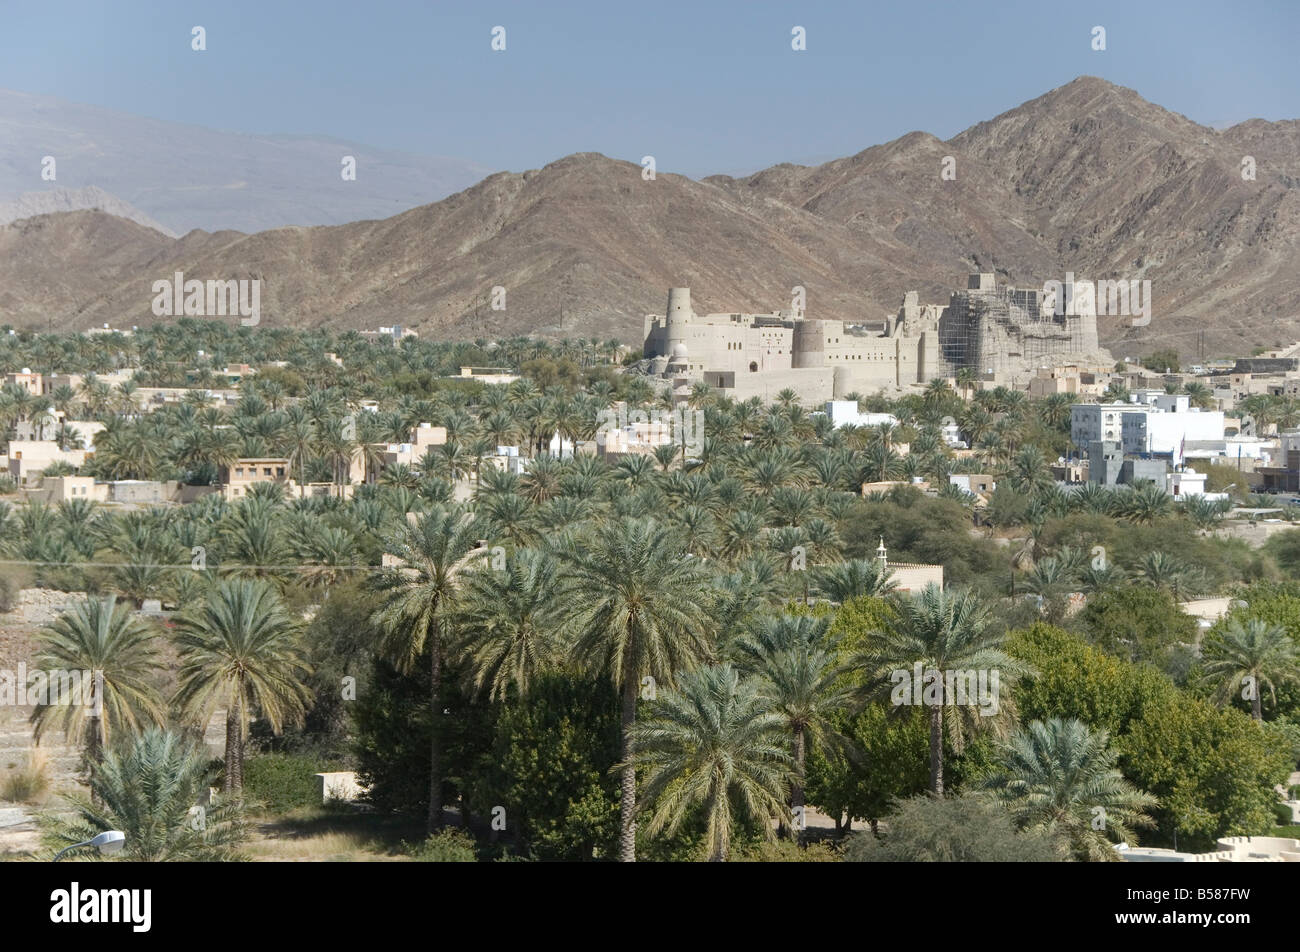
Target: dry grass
{"type": "Point", "coordinates": [325, 835]}
{"type": "Point", "coordinates": [29, 783]}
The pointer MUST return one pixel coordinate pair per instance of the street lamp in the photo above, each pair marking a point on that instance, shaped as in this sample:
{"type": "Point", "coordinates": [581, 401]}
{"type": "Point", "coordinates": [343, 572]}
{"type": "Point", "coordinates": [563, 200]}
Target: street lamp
{"type": "Point", "coordinates": [110, 841]}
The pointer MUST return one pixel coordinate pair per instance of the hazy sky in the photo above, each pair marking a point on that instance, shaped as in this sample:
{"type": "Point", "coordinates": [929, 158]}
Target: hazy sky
{"type": "Point", "coordinates": [703, 86]}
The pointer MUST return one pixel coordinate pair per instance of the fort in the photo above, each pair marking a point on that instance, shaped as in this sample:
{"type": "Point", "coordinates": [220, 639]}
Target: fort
{"type": "Point", "coordinates": [999, 332]}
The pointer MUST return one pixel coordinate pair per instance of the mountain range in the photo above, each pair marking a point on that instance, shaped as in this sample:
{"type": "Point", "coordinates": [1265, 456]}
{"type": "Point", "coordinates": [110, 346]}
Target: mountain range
{"type": "Point", "coordinates": [1089, 179]}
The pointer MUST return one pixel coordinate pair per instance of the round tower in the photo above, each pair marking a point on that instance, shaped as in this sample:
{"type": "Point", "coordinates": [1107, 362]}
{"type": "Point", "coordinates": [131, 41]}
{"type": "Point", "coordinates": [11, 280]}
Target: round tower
{"type": "Point", "coordinates": [677, 317]}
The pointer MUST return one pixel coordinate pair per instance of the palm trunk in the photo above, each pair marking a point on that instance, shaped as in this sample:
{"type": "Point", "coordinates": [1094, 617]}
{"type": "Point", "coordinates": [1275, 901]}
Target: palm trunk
{"type": "Point", "coordinates": [234, 750]}
{"type": "Point", "coordinates": [1256, 705]}
{"type": "Point", "coordinates": [627, 799]}
{"type": "Point", "coordinates": [936, 751]}
{"type": "Point", "coordinates": [796, 786]}
{"type": "Point", "coordinates": [435, 761]}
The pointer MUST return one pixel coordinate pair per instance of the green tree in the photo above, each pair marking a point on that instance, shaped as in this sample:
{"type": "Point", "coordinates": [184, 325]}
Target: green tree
{"type": "Point", "coordinates": [118, 651]}
{"type": "Point", "coordinates": [509, 622]}
{"type": "Point", "coordinates": [642, 611]}
{"type": "Point", "coordinates": [945, 633]}
{"type": "Point", "coordinates": [1060, 777]}
{"type": "Point", "coordinates": [795, 660]}
{"type": "Point", "coordinates": [240, 651]}
{"type": "Point", "coordinates": [1248, 656]}
{"type": "Point", "coordinates": [422, 593]}
{"type": "Point", "coordinates": [713, 742]}
{"type": "Point", "coordinates": [147, 789]}
{"type": "Point", "coordinates": [1212, 770]}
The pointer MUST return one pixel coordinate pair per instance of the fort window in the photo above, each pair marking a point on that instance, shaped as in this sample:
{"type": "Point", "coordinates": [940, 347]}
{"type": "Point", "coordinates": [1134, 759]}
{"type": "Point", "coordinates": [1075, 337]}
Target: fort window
{"type": "Point", "coordinates": [753, 367]}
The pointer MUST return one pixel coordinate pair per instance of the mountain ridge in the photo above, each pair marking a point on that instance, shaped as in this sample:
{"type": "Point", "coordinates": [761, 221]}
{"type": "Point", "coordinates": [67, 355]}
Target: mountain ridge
{"type": "Point", "coordinates": [1088, 178]}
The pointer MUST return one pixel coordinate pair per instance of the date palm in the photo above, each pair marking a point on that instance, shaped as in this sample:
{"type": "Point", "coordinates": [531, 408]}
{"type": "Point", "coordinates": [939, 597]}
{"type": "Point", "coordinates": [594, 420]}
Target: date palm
{"type": "Point", "coordinates": [712, 743]}
{"type": "Point", "coordinates": [1247, 657]}
{"type": "Point", "coordinates": [509, 621]}
{"type": "Point", "coordinates": [794, 658]}
{"type": "Point", "coordinates": [422, 594]}
{"type": "Point", "coordinates": [641, 610]}
{"type": "Point", "coordinates": [146, 789]}
{"type": "Point", "coordinates": [943, 632]}
{"type": "Point", "coordinates": [845, 581]}
{"type": "Point", "coordinates": [1060, 777]}
{"type": "Point", "coordinates": [119, 651]}
{"type": "Point", "coordinates": [239, 651]}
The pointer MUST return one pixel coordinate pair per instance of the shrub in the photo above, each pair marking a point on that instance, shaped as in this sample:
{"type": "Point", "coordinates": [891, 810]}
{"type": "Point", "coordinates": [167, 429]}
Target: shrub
{"type": "Point", "coordinates": [955, 830]}
{"type": "Point", "coordinates": [29, 783]}
{"type": "Point", "coordinates": [445, 846]}
{"type": "Point", "coordinates": [283, 782]}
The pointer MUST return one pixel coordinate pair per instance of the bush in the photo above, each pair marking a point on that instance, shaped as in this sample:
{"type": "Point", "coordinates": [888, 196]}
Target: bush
{"type": "Point", "coordinates": [29, 783]}
{"type": "Point", "coordinates": [445, 846]}
{"type": "Point", "coordinates": [283, 782]}
{"type": "Point", "coordinates": [1282, 813]}
{"type": "Point", "coordinates": [955, 830]}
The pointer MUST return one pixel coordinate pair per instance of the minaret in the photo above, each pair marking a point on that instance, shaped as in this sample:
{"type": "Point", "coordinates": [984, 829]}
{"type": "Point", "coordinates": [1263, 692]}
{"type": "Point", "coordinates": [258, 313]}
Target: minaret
{"type": "Point", "coordinates": [880, 553]}
{"type": "Point", "coordinates": [679, 314]}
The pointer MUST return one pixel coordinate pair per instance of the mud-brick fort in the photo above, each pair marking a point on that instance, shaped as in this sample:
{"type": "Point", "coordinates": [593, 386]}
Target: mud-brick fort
{"type": "Point", "coordinates": [1002, 331]}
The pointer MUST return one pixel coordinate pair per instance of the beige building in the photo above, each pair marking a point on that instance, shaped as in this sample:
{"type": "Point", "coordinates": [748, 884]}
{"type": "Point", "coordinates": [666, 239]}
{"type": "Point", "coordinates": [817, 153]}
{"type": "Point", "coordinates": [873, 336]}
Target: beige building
{"type": "Point", "coordinates": [997, 330]}
{"type": "Point", "coordinates": [748, 355]}
{"type": "Point", "coordinates": [910, 576]}
{"type": "Point", "coordinates": [29, 381]}
{"type": "Point", "coordinates": [237, 479]}
{"type": "Point", "coordinates": [56, 489]}
{"type": "Point", "coordinates": [489, 375]}
{"type": "Point", "coordinates": [423, 437]}
{"type": "Point", "coordinates": [29, 460]}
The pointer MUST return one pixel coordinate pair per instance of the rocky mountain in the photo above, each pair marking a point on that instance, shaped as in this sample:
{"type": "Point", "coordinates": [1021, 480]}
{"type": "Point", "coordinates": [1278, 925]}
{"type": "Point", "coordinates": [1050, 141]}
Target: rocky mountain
{"type": "Point", "coordinates": [31, 204]}
{"type": "Point", "coordinates": [1089, 178]}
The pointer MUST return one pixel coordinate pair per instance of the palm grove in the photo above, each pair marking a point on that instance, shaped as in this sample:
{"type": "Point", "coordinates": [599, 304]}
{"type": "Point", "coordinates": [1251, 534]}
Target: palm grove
{"type": "Point", "coordinates": [674, 656]}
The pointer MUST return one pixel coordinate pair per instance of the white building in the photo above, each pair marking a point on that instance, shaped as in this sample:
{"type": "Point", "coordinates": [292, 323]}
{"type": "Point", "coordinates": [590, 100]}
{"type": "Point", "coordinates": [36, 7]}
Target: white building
{"type": "Point", "coordinates": [1156, 431]}
{"type": "Point", "coordinates": [1097, 421]}
{"type": "Point", "coordinates": [845, 412]}
{"type": "Point", "coordinates": [1162, 426]}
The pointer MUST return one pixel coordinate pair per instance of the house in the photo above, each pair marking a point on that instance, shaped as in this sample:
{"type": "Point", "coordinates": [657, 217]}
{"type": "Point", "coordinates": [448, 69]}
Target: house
{"type": "Point", "coordinates": [26, 380]}
{"type": "Point", "coordinates": [29, 460]}
{"type": "Point", "coordinates": [981, 484]}
{"type": "Point", "coordinates": [56, 489]}
{"type": "Point", "coordinates": [238, 478]}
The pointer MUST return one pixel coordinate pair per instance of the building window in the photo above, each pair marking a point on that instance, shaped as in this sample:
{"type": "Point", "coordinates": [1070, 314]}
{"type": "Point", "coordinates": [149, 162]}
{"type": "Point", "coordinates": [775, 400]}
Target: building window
{"type": "Point", "coordinates": [753, 366]}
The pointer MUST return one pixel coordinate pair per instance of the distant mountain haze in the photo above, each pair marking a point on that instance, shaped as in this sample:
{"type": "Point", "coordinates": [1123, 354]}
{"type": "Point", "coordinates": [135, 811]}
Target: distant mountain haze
{"type": "Point", "coordinates": [189, 177]}
{"type": "Point", "coordinates": [1088, 179]}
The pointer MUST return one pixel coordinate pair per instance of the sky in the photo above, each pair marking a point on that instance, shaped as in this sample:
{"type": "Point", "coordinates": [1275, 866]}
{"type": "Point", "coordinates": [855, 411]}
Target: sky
{"type": "Point", "coordinates": [704, 87]}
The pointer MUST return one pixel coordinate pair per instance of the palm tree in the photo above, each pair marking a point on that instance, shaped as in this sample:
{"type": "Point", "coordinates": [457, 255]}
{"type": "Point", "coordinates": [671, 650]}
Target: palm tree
{"type": "Point", "coordinates": [1060, 777]}
{"type": "Point", "coordinates": [1029, 472]}
{"type": "Point", "coordinates": [240, 651]}
{"type": "Point", "coordinates": [422, 598]}
{"type": "Point", "coordinates": [1145, 504]}
{"type": "Point", "coordinates": [946, 634]}
{"type": "Point", "coordinates": [855, 578]}
{"type": "Point", "coordinates": [795, 660]}
{"type": "Point", "coordinates": [1250, 653]}
{"type": "Point", "coordinates": [642, 612]}
{"type": "Point", "coordinates": [117, 649]}
{"type": "Point", "coordinates": [147, 790]}
{"type": "Point", "coordinates": [712, 742]}
{"type": "Point", "coordinates": [509, 622]}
